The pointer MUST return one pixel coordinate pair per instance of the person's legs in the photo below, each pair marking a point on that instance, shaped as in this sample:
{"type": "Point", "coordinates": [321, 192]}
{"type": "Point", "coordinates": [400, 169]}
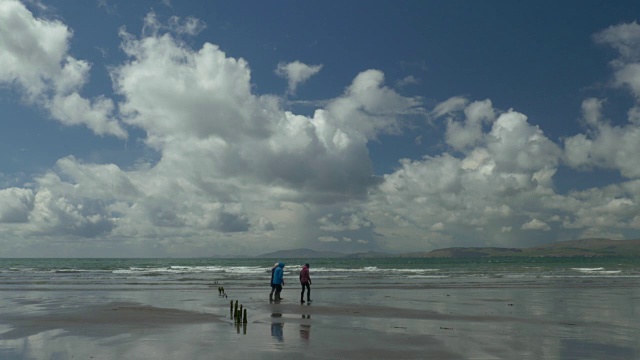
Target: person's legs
{"type": "Point", "coordinates": [308, 288]}
{"type": "Point", "coordinates": [278, 290]}
{"type": "Point", "coordinates": [273, 289]}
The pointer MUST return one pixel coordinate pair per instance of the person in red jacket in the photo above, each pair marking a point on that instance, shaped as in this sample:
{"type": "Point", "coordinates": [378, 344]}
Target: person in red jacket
{"type": "Point", "coordinates": [305, 281]}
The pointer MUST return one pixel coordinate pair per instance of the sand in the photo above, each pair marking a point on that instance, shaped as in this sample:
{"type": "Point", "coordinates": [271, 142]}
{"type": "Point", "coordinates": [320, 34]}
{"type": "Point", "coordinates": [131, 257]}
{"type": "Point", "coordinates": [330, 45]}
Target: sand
{"type": "Point", "coordinates": [362, 323]}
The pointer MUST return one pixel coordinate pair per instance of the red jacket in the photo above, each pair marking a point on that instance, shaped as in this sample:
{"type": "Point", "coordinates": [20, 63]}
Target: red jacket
{"type": "Point", "coordinates": [304, 275]}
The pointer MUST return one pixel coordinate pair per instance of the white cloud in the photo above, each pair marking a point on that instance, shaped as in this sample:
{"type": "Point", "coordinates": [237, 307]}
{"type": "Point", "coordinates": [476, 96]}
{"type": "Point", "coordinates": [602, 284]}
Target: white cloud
{"type": "Point", "coordinates": [236, 173]}
{"type": "Point", "coordinates": [461, 135]}
{"type": "Point", "coordinates": [505, 174]}
{"type": "Point", "coordinates": [407, 80]}
{"type": "Point", "coordinates": [439, 226]}
{"type": "Point", "coordinates": [328, 239]}
{"type": "Point", "coordinates": [198, 105]}
{"type": "Point", "coordinates": [536, 224]}
{"type": "Point", "coordinates": [180, 26]}
{"type": "Point", "coordinates": [452, 104]}
{"type": "Point", "coordinates": [352, 221]}
{"type": "Point", "coordinates": [230, 161]}
{"type": "Point", "coordinates": [368, 108]}
{"type": "Point", "coordinates": [296, 73]}
{"type": "Point", "coordinates": [626, 39]}
{"type": "Point", "coordinates": [519, 146]}
{"type": "Point", "coordinates": [604, 145]}
{"type": "Point", "coordinates": [623, 37]}
{"type": "Point", "coordinates": [15, 205]}
{"type": "Point", "coordinates": [34, 59]}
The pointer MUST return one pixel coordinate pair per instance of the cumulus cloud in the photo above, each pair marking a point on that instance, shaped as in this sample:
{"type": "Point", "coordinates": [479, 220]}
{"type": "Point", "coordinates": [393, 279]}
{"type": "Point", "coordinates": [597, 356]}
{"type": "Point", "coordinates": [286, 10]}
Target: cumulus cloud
{"type": "Point", "coordinates": [506, 171]}
{"type": "Point", "coordinates": [502, 185]}
{"type": "Point", "coordinates": [229, 161]}
{"type": "Point", "coordinates": [604, 145]}
{"type": "Point", "coordinates": [235, 172]}
{"type": "Point", "coordinates": [607, 144]}
{"type": "Point", "coordinates": [625, 38]}
{"type": "Point", "coordinates": [15, 205]}
{"type": "Point", "coordinates": [34, 59]}
{"type": "Point", "coordinates": [296, 73]}
{"type": "Point", "coordinates": [536, 224]}
{"type": "Point", "coordinates": [352, 221]}
{"type": "Point", "coordinates": [199, 105]}
{"type": "Point", "coordinates": [461, 135]}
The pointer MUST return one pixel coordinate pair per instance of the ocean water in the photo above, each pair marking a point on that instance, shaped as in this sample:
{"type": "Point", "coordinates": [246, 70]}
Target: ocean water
{"type": "Point", "coordinates": [201, 273]}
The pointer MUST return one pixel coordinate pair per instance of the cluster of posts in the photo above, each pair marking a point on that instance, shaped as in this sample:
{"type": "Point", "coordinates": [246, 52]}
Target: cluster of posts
{"type": "Point", "coordinates": [237, 313]}
{"type": "Point", "coordinates": [239, 316]}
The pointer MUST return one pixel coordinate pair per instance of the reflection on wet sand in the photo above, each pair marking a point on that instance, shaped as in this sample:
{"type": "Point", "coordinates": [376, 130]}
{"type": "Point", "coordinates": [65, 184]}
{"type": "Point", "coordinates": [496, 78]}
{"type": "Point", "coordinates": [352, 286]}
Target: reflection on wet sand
{"type": "Point", "coordinates": [543, 322]}
{"type": "Point", "coordinates": [305, 329]}
{"type": "Point", "coordinates": [277, 327]}
{"type": "Point", "coordinates": [243, 326]}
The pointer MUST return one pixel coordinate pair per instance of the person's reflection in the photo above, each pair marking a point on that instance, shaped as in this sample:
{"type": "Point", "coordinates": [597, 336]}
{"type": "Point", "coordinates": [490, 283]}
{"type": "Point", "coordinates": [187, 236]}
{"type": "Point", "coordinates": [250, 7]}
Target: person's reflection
{"type": "Point", "coordinates": [277, 327]}
{"type": "Point", "coordinates": [305, 329]}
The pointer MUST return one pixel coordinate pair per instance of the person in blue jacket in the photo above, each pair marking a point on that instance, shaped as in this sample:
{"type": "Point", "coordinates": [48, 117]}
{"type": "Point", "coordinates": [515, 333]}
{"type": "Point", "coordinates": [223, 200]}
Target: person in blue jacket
{"type": "Point", "coordinates": [278, 280]}
{"type": "Point", "coordinates": [273, 286]}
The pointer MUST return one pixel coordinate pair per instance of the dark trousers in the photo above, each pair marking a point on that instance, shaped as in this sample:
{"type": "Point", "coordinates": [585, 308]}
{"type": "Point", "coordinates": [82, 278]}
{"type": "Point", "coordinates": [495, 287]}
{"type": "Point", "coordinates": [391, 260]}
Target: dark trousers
{"type": "Point", "coordinates": [308, 292]}
{"type": "Point", "coordinates": [278, 290]}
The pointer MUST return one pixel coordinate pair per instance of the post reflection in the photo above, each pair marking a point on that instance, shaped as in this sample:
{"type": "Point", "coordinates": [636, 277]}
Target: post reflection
{"type": "Point", "coordinates": [242, 326]}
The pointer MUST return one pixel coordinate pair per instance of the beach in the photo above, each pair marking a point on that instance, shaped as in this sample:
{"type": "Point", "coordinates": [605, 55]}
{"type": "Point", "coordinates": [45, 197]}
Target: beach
{"type": "Point", "coordinates": [480, 323]}
{"type": "Point", "coordinates": [74, 316]}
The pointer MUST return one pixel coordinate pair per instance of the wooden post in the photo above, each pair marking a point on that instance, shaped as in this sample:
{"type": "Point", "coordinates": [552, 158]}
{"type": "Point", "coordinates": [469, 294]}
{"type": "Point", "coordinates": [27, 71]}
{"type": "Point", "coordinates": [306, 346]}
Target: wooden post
{"type": "Point", "coordinates": [244, 319]}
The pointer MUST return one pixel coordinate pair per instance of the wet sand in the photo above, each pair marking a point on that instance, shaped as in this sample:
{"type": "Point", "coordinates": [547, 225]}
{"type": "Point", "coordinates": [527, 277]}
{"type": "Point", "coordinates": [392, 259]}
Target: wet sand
{"type": "Point", "coordinates": [364, 323]}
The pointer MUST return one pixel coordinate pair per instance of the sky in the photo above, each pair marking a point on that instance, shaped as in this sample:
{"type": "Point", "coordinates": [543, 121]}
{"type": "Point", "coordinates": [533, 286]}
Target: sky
{"type": "Point", "coordinates": [215, 128]}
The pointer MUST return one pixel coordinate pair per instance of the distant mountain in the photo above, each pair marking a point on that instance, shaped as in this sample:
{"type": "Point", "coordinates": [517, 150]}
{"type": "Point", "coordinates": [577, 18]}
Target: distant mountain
{"type": "Point", "coordinates": [587, 247]}
{"type": "Point", "coordinates": [300, 253]}
{"type": "Point", "coordinates": [584, 247]}
{"type": "Point", "coordinates": [369, 255]}
{"type": "Point", "coordinates": [460, 252]}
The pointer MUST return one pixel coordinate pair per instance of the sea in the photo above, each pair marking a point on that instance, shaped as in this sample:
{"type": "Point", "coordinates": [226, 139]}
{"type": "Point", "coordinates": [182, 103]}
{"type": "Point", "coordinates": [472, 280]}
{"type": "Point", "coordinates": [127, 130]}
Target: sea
{"type": "Point", "coordinates": [202, 273]}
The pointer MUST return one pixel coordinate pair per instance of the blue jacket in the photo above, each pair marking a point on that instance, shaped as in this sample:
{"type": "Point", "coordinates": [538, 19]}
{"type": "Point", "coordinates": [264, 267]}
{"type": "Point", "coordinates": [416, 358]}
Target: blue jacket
{"type": "Point", "coordinates": [278, 273]}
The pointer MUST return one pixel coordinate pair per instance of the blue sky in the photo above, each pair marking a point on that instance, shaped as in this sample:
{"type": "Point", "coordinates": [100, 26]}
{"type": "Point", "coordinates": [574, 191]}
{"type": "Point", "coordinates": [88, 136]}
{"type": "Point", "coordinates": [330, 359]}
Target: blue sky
{"type": "Point", "coordinates": [198, 128]}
